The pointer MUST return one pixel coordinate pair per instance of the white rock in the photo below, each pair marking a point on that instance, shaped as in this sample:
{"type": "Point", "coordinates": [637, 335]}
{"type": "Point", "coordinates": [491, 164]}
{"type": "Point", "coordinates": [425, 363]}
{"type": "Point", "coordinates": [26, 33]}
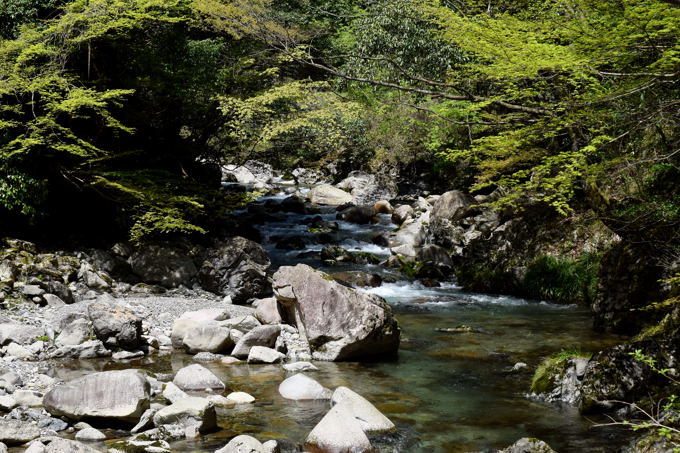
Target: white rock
{"type": "Point", "coordinates": [240, 398]}
{"type": "Point", "coordinates": [7, 403]}
{"type": "Point", "coordinates": [242, 444]}
{"type": "Point", "coordinates": [197, 377]}
{"type": "Point", "coordinates": [173, 393]}
{"type": "Point", "coordinates": [19, 351]}
{"type": "Point", "coordinates": [297, 367]}
{"type": "Point", "coordinates": [367, 415]}
{"type": "Point", "coordinates": [191, 411]}
{"type": "Point", "coordinates": [338, 432]}
{"type": "Point", "coordinates": [121, 395]}
{"type": "Point", "coordinates": [261, 354]}
{"type": "Point", "coordinates": [28, 398]}
{"type": "Point", "coordinates": [90, 434]}
{"type": "Point", "coordinates": [301, 387]}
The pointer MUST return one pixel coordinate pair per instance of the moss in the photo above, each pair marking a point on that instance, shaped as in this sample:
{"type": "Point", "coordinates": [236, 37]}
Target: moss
{"type": "Point", "coordinates": [551, 368]}
{"type": "Point", "coordinates": [42, 338]}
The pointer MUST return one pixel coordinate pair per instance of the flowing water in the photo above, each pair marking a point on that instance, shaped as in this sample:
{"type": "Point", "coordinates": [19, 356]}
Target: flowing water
{"type": "Point", "coordinates": [446, 392]}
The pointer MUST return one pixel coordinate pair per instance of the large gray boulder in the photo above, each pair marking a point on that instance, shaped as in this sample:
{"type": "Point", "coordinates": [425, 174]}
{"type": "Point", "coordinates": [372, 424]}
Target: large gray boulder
{"type": "Point", "coordinates": [236, 267]}
{"type": "Point", "coordinates": [368, 188]}
{"type": "Point", "coordinates": [120, 395]}
{"type": "Point", "coordinates": [165, 265]}
{"type": "Point", "coordinates": [77, 332]}
{"type": "Point", "coordinates": [208, 337]}
{"type": "Point", "coordinates": [87, 350]}
{"type": "Point", "coordinates": [447, 211]}
{"type": "Point", "coordinates": [12, 332]}
{"type": "Point", "coordinates": [338, 432]}
{"type": "Point", "coordinates": [260, 336]}
{"type": "Point", "coordinates": [190, 411]}
{"type": "Point", "coordinates": [18, 431]}
{"type": "Point", "coordinates": [367, 415]}
{"type": "Point", "coordinates": [338, 322]}
{"type": "Point", "coordinates": [329, 195]}
{"type": "Point", "coordinates": [191, 319]}
{"type": "Point", "coordinates": [267, 311]}
{"type": "Point", "coordinates": [115, 324]}
{"type": "Point", "coordinates": [197, 377]}
{"type": "Point", "coordinates": [250, 172]}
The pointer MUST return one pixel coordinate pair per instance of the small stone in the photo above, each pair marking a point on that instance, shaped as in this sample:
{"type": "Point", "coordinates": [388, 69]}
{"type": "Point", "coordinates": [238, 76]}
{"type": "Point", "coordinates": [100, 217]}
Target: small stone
{"type": "Point", "coordinates": [7, 403]}
{"type": "Point", "coordinates": [301, 387]}
{"type": "Point", "coordinates": [197, 377]}
{"type": "Point", "coordinates": [173, 393]}
{"type": "Point", "coordinates": [242, 444]}
{"type": "Point", "coordinates": [127, 355]}
{"type": "Point", "coordinates": [52, 424]}
{"type": "Point", "coordinates": [146, 421]}
{"type": "Point", "coordinates": [18, 431]}
{"type": "Point", "coordinates": [35, 447]}
{"type": "Point", "coordinates": [297, 367]}
{"type": "Point", "coordinates": [207, 357]}
{"type": "Point", "coordinates": [229, 360]}
{"type": "Point", "coordinates": [21, 352]}
{"type": "Point", "coordinates": [53, 300]}
{"type": "Point", "coordinates": [191, 411]}
{"type": "Point", "coordinates": [90, 434]}
{"type": "Point", "coordinates": [261, 354]}
{"type": "Point", "coordinates": [240, 398]}
{"type": "Point", "coordinates": [28, 398]}
{"type": "Point", "coordinates": [271, 446]}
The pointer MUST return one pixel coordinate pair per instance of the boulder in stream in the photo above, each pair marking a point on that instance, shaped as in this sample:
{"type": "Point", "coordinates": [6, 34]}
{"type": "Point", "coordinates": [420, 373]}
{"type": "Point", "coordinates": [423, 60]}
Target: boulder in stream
{"type": "Point", "coordinates": [120, 395]}
{"type": "Point", "coordinates": [329, 195]}
{"type": "Point", "coordinates": [338, 322]}
{"type": "Point", "coordinates": [338, 432]}
{"type": "Point", "coordinates": [236, 267]}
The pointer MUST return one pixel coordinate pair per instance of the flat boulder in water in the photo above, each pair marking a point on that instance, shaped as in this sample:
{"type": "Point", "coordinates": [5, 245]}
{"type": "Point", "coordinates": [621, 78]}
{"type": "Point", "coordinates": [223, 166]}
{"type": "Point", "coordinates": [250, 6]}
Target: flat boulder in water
{"type": "Point", "coordinates": [121, 395]}
{"type": "Point", "coordinates": [339, 323]}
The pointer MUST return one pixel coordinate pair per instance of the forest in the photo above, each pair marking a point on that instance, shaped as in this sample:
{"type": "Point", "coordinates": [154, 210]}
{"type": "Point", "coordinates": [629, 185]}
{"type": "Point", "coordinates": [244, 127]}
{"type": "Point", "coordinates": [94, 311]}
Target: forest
{"type": "Point", "coordinates": [169, 154]}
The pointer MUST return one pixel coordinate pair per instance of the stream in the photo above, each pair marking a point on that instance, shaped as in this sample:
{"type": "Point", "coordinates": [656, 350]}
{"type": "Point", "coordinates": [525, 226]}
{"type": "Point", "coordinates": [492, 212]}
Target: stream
{"type": "Point", "coordinates": [446, 391]}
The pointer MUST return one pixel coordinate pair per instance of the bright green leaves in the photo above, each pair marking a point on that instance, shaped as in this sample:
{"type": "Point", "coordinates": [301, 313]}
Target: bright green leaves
{"type": "Point", "coordinates": [291, 121]}
{"type": "Point", "coordinates": [504, 46]}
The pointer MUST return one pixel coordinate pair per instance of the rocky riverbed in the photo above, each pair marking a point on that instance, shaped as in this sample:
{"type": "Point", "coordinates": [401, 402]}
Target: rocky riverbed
{"type": "Point", "coordinates": [286, 343]}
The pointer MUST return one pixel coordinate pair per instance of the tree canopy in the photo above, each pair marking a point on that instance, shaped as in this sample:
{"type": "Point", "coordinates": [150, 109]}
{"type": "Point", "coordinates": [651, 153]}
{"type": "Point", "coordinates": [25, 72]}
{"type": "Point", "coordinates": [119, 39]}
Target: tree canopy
{"type": "Point", "coordinates": [129, 104]}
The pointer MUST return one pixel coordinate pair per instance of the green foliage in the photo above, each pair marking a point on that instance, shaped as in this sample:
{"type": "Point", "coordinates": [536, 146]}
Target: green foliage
{"type": "Point", "coordinates": [563, 280]}
{"type": "Point", "coordinates": [293, 123]}
{"type": "Point", "coordinates": [552, 368]}
{"type": "Point", "coordinates": [14, 13]}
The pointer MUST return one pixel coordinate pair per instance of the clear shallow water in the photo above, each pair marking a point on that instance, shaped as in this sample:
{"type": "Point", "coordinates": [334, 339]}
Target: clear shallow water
{"type": "Point", "coordinates": [446, 392]}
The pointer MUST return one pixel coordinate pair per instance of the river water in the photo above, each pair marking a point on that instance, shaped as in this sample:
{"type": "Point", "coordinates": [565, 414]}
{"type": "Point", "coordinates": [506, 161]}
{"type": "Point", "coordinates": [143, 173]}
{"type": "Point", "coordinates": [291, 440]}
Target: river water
{"type": "Point", "coordinates": [446, 392]}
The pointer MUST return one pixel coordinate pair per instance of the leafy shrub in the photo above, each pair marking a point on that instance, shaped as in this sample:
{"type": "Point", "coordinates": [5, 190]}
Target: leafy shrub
{"type": "Point", "coordinates": [562, 280]}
